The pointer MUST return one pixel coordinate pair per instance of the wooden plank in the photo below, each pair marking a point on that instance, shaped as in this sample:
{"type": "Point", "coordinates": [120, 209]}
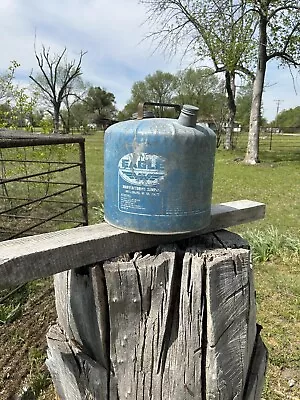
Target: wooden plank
{"type": "Point", "coordinates": [26, 259]}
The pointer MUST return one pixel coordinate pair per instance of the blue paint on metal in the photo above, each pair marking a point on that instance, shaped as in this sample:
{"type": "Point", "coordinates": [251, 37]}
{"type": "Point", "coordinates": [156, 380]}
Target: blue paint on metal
{"type": "Point", "coordinates": [158, 175]}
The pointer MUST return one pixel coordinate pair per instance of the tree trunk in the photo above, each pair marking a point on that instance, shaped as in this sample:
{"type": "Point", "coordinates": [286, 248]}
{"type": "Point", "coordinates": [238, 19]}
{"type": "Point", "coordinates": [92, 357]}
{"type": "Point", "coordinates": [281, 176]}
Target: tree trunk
{"type": "Point", "coordinates": [230, 89]}
{"type": "Point", "coordinates": [66, 122]}
{"type": "Point", "coordinates": [56, 115]}
{"type": "Point", "coordinates": [177, 324]}
{"type": "Point", "coordinates": [252, 153]}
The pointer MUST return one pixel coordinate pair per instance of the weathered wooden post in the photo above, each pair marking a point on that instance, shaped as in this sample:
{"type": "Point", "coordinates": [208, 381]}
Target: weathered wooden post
{"type": "Point", "coordinates": [137, 321]}
{"type": "Point", "coordinates": [176, 321]}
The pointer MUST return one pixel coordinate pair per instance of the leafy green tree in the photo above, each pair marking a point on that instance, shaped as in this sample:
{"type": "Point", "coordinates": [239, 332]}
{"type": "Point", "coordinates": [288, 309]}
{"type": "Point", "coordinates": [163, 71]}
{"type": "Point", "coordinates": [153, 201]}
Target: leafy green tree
{"type": "Point", "coordinates": [5, 112]}
{"type": "Point", "coordinates": [159, 87]}
{"type": "Point", "coordinates": [200, 87]}
{"type": "Point", "coordinates": [288, 118]}
{"type": "Point", "coordinates": [47, 124]}
{"type": "Point", "coordinates": [79, 115]}
{"type": "Point", "coordinates": [219, 30]}
{"type": "Point", "coordinates": [243, 104]}
{"type": "Point", "coordinates": [22, 108]}
{"type": "Point", "coordinates": [278, 32]}
{"type": "Point", "coordinates": [17, 104]}
{"type": "Point", "coordinates": [6, 93]}
{"type": "Point", "coordinates": [55, 79]}
{"type": "Point", "coordinates": [6, 81]}
{"type": "Point", "coordinates": [36, 116]}
{"type": "Point", "coordinates": [100, 104]}
{"type": "Point", "coordinates": [129, 109]}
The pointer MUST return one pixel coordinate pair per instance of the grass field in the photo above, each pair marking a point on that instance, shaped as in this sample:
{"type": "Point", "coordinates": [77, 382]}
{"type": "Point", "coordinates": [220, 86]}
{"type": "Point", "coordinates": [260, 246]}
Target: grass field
{"type": "Point", "coordinates": [276, 182]}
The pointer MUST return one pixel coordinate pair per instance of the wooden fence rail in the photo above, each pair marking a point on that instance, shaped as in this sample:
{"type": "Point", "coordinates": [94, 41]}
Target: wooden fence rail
{"type": "Point", "coordinates": [39, 256]}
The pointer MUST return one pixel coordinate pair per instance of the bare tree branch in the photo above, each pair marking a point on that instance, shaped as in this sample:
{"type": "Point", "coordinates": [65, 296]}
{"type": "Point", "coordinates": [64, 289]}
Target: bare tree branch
{"type": "Point", "coordinates": [56, 78]}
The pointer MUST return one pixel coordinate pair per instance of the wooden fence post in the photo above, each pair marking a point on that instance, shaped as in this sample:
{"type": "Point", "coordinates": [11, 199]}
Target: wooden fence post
{"type": "Point", "coordinates": [175, 322]}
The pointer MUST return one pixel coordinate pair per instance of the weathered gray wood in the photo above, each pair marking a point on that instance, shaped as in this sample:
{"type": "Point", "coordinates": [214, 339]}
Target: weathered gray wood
{"type": "Point", "coordinates": [177, 324]}
{"type": "Point", "coordinates": [25, 259]}
{"type": "Point", "coordinates": [231, 324]}
{"type": "Point", "coordinates": [76, 375]}
{"type": "Point", "coordinates": [257, 371]}
{"type": "Point", "coordinates": [77, 312]}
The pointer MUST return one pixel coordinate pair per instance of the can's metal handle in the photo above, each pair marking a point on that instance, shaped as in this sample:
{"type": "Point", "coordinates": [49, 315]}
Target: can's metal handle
{"type": "Point", "coordinates": [141, 106]}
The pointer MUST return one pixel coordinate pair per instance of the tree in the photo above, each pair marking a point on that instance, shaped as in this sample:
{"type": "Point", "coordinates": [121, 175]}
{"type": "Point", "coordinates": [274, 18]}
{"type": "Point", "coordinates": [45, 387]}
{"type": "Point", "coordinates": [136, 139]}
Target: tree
{"type": "Point", "coordinates": [75, 93]}
{"type": "Point", "coordinates": [200, 87]}
{"type": "Point", "coordinates": [243, 104]}
{"type": "Point", "coordinates": [22, 108]}
{"type": "Point", "coordinates": [56, 79]}
{"type": "Point", "coordinates": [278, 38]}
{"type": "Point", "coordinates": [79, 115]}
{"type": "Point", "coordinates": [5, 112]}
{"type": "Point", "coordinates": [218, 30]}
{"type": "Point", "coordinates": [101, 104]}
{"type": "Point", "coordinates": [6, 89]}
{"type": "Point", "coordinates": [288, 118]}
{"type": "Point", "coordinates": [129, 109]}
{"type": "Point", "coordinates": [159, 87]}
{"type": "Point", "coordinates": [16, 103]}
{"type": "Point", "coordinates": [6, 81]}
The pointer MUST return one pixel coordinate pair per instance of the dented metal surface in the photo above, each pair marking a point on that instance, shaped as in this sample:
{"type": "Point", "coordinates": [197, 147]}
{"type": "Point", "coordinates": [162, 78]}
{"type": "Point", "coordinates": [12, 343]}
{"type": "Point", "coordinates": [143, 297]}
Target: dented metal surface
{"type": "Point", "coordinates": [158, 174]}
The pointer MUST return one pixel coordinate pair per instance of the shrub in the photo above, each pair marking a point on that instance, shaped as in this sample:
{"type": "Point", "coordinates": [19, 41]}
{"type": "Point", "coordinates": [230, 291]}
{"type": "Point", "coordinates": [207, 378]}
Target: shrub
{"type": "Point", "coordinates": [270, 243]}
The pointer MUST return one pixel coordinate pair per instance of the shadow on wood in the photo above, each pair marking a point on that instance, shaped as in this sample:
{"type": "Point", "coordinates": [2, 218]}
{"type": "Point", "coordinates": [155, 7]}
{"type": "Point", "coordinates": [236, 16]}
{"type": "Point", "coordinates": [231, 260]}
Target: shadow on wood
{"type": "Point", "coordinates": [175, 322]}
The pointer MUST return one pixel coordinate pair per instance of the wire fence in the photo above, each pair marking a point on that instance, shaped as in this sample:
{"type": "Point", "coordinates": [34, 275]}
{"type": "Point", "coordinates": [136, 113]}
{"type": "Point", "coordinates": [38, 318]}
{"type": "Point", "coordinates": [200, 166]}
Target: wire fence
{"type": "Point", "coordinates": [280, 146]}
{"type": "Point", "coordinates": [42, 183]}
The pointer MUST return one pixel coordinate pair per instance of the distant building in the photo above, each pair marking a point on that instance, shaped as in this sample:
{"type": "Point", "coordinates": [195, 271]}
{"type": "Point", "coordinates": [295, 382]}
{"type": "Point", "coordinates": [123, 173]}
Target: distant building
{"type": "Point", "coordinates": [104, 123]}
{"type": "Point", "coordinates": [209, 123]}
{"type": "Point", "coordinates": [212, 125]}
{"type": "Point", "coordinates": [237, 127]}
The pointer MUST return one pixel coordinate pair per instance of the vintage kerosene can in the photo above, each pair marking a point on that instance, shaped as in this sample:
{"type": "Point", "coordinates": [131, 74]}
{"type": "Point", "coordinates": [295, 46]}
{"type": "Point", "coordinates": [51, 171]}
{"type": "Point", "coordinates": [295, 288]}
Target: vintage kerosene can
{"type": "Point", "coordinates": [158, 174]}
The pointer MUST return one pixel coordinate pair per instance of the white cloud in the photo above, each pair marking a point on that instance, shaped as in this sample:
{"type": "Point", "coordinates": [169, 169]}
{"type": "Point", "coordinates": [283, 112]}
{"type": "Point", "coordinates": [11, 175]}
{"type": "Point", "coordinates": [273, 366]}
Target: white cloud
{"type": "Point", "coordinates": [111, 32]}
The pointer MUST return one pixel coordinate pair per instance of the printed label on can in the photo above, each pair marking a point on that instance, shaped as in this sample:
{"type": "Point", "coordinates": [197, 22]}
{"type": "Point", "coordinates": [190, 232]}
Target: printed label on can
{"type": "Point", "coordinates": [148, 186]}
{"type": "Point", "coordinates": [140, 176]}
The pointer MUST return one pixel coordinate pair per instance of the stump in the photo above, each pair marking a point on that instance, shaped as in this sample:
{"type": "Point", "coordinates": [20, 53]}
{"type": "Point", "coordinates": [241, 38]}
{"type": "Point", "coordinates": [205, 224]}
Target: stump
{"type": "Point", "coordinates": [174, 322]}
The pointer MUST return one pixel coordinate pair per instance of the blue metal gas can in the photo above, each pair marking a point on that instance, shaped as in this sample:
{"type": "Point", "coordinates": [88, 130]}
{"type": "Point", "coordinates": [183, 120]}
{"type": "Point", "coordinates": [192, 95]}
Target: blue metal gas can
{"type": "Point", "coordinates": [158, 174]}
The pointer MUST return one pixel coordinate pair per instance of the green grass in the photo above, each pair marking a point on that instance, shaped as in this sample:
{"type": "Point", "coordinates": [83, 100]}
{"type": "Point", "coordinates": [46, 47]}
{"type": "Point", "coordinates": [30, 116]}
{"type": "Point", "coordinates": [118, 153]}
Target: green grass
{"type": "Point", "coordinates": [275, 240]}
{"type": "Point", "coordinates": [94, 171]}
{"type": "Point", "coordinates": [270, 243]}
{"type": "Point", "coordinates": [274, 183]}
{"type": "Point", "coordinates": [38, 379]}
{"type": "Point", "coordinates": [27, 161]}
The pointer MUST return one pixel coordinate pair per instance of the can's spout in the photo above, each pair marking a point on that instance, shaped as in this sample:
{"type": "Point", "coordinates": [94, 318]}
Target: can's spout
{"type": "Point", "coordinates": [188, 116]}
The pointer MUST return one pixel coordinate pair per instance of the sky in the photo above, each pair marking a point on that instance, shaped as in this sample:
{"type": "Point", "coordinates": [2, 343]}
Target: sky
{"type": "Point", "coordinates": [113, 35]}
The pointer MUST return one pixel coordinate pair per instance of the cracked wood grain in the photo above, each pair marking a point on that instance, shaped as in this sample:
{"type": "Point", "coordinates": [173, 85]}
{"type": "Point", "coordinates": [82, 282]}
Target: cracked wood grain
{"type": "Point", "coordinates": [178, 323]}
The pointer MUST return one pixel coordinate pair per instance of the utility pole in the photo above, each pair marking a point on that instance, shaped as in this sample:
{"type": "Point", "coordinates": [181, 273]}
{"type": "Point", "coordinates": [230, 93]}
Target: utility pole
{"type": "Point", "coordinates": [278, 106]}
{"type": "Point", "coordinates": [277, 112]}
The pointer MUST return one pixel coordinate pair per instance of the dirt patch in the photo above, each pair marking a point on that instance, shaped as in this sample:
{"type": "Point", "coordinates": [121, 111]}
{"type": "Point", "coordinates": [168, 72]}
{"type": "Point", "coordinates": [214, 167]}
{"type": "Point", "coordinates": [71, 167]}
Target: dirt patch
{"type": "Point", "coordinates": [23, 342]}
